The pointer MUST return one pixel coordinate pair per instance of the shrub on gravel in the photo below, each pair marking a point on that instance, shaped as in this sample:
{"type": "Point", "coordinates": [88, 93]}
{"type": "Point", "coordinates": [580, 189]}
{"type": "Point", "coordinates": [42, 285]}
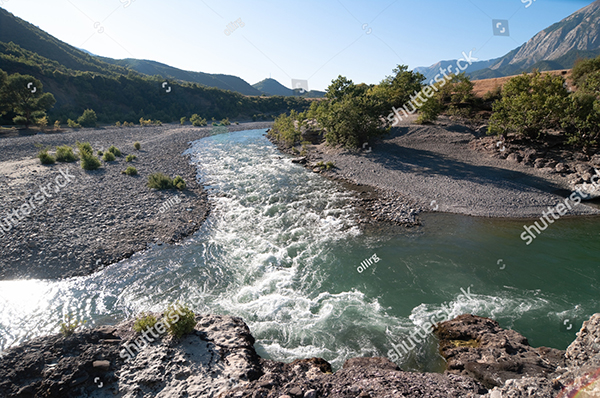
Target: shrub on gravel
{"type": "Point", "coordinates": [68, 326]}
{"type": "Point", "coordinates": [196, 120]}
{"type": "Point", "coordinates": [186, 322]}
{"type": "Point", "coordinates": [65, 154]}
{"type": "Point", "coordinates": [114, 150]}
{"type": "Point", "coordinates": [225, 122]}
{"type": "Point", "coordinates": [159, 181]}
{"type": "Point", "coordinates": [45, 157]}
{"type": "Point", "coordinates": [86, 153]}
{"type": "Point", "coordinates": [100, 153]}
{"type": "Point", "coordinates": [130, 171]}
{"type": "Point", "coordinates": [179, 183]}
{"type": "Point", "coordinates": [137, 146]}
{"type": "Point", "coordinates": [130, 158]}
{"type": "Point", "coordinates": [73, 124]}
{"type": "Point", "coordinates": [109, 157]}
{"type": "Point", "coordinates": [88, 118]}
{"type": "Point", "coordinates": [144, 322]}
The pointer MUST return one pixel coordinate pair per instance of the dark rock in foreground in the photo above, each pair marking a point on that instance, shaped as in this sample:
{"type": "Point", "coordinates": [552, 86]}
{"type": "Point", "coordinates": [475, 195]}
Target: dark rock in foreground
{"type": "Point", "coordinates": [218, 360]}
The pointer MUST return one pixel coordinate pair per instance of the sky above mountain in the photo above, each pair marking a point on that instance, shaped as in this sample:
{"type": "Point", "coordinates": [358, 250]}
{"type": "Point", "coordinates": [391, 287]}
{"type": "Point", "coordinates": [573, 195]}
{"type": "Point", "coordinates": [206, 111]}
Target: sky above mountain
{"type": "Point", "coordinates": [310, 40]}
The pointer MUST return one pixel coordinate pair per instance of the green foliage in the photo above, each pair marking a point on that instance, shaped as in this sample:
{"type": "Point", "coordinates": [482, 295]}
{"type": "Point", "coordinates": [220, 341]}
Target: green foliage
{"type": "Point", "coordinates": [130, 171]}
{"type": "Point", "coordinates": [137, 146]}
{"type": "Point", "coordinates": [159, 181]}
{"type": "Point", "coordinates": [225, 122]}
{"type": "Point", "coordinates": [108, 157]}
{"type": "Point", "coordinates": [179, 183]}
{"type": "Point", "coordinates": [182, 120]}
{"type": "Point", "coordinates": [65, 154]}
{"type": "Point", "coordinates": [352, 116]}
{"type": "Point", "coordinates": [196, 120]}
{"type": "Point", "coordinates": [69, 325]}
{"type": "Point", "coordinates": [86, 154]}
{"type": "Point", "coordinates": [396, 90]}
{"type": "Point", "coordinates": [145, 122]}
{"type": "Point", "coordinates": [56, 125]}
{"type": "Point", "coordinates": [45, 157]}
{"type": "Point", "coordinates": [582, 120]}
{"type": "Point", "coordinates": [73, 124]}
{"type": "Point", "coordinates": [25, 97]}
{"type": "Point", "coordinates": [582, 69]}
{"type": "Point", "coordinates": [329, 165]}
{"type": "Point", "coordinates": [186, 322]}
{"type": "Point", "coordinates": [88, 119]}
{"type": "Point", "coordinates": [42, 122]}
{"type": "Point", "coordinates": [130, 158]}
{"type": "Point", "coordinates": [114, 150]}
{"type": "Point", "coordinates": [144, 322]}
{"type": "Point", "coordinates": [284, 129]}
{"type": "Point", "coordinates": [100, 153]}
{"type": "Point", "coordinates": [118, 124]}
{"type": "Point", "coordinates": [530, 105]}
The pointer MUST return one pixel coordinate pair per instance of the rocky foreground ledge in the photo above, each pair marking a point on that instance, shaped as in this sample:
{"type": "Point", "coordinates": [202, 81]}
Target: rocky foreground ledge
{"type": "Point", "coordinates": [218, 360]}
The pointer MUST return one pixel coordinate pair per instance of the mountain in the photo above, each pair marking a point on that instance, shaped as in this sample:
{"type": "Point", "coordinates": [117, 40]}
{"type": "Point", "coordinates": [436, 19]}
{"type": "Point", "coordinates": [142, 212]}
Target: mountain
{"type": "Point", "coordinates": [31, 38]}
{"type": "Point", "coordinates": [152, 68]}
{"type": "Point", "coordinates": [273, 87]}
{"type": "Point", "coordinates": [430, 71]}
{"type": "Point", "coordinates": [554, 48]}
{"type": "Point", "coordinates": [81, 81]}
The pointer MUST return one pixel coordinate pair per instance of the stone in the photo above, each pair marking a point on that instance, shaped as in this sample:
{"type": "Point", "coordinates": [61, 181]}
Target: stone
{"type": "Point", "coordinates": [514, 157]}
{"type": "Point", "coordinates": [295, 392]}
{"type": "Point", "coordinates": [101, 365]}
{"type": "Point", "coordinates": [584, 168]}
{"type": "Point", "coordinates": [539, 163]}
{"type": "Point", "coordinates": [310, 394]}
{"type": "Point", "coordinates": [561, 168]}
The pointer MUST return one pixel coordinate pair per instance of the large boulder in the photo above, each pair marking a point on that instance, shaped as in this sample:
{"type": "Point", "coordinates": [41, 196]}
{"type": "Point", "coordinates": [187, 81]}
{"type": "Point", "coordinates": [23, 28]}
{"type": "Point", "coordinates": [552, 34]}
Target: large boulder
{"type": "Point", "coordinates": [479, 348]}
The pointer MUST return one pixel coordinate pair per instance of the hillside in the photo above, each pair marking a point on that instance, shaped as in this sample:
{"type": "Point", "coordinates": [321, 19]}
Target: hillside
{"type": "Point", "coordinates": [152, 68]}
{"type": "Point", "coordinates": [480, 87]}
{"type": "Point", "coordinates": [80, 81]}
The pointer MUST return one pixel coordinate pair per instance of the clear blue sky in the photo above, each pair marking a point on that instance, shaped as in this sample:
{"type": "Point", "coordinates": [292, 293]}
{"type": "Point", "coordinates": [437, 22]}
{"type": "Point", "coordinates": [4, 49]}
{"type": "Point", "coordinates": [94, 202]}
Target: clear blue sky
{"type": "Point", "coordinates": [313, 40]}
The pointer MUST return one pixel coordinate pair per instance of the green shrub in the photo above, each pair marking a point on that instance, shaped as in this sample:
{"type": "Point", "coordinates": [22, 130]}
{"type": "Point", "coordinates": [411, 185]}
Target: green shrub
{"type": "Point", "coordinates": [73, 124]}
{"type": "Point", "coordinates": [159, 181]}
{"type": "Point", "coordinates": [88, 119]}
{"type": "Point", "coordinates": [100, 153]}
{"type": "Point", "coordinates": [65, 154]}
{"type": "Point", "coordinates": [137, 146]}
{"type": "Point", "coordinates": [179, 183]}
{"type": "Point", "coordinates": [45, 157]}
{"type": "Point", "coordinates": [86, 153]}
{"type": "Point", "coordinates": [329, 165]}
{"type": "Point", "coordinates": [196, 120]}
{"type": "Point", "coordinates": [69, 325]}
{"type": "Point", "coordinates": [530, 105]}
{"type": "Point", "coordinates": [108, 157]}
{"type": "Point", "coordinates": [114, 150]}
{"type": "Point", "coordinates": [182, 120]}
{"type": "Point", "coordinates": [130, 158]}
{"type": "Point", "coordinates": [118, 124]}
{"type": "Point", "coordinates": [57, 125]}
{"type": "Point", "coordinates": [186, 322]}
{"type": "Point", "coordinates": [84, 147]}
{"type": "Point", "coordinates": [130, 171]}
{"type": "Point", "coordinates": [225, 122]}
{"type": "Point", "coordinates": [144, 322]}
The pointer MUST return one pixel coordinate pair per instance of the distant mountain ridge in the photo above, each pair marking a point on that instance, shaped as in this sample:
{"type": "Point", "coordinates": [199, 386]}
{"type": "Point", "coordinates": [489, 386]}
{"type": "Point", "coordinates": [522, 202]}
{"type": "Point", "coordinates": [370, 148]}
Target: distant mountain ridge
{"type": "Point", "coordinates": [556, 47]}
{"type": "Point", "coordinates": [273, 87]}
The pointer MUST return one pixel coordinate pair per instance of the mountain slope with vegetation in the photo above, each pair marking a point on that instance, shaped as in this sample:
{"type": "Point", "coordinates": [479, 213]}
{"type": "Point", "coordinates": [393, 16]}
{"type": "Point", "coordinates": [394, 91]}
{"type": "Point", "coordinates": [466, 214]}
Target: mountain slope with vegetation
{"type": "Point", "coordinates": [152, 68]}
{"type": "Point", "coordinates": [80, 81]}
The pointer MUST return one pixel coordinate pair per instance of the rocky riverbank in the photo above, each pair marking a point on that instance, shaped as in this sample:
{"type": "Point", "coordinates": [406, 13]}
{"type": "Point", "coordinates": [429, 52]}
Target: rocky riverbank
{"type": "Point", "coordinates": [98, 217]}
{"type": "Point", "coordinates": [218, 360]}
{"type": "Point", "coordinates": [449, 167]}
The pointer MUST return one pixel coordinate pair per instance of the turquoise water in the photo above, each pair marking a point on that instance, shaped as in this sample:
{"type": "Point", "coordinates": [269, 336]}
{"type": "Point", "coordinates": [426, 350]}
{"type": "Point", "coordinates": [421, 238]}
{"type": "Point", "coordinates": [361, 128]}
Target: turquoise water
{"type": "Point", "coordinates": [281, 250]}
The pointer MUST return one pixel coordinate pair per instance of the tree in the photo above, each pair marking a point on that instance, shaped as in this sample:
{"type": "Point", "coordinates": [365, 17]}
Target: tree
{"type": "Point", "coordinates": [88, 119]}
{"type": "Point", "coordinates": [24, 95]}
{"type": "Point", "coordinates": [530, 104]}
{"type": "Point", "coordinates": [352, 115]}
{"type": "Point", "coordinates": [396, 90]}
{"type": "Point", "coordinates": [4, 106]}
